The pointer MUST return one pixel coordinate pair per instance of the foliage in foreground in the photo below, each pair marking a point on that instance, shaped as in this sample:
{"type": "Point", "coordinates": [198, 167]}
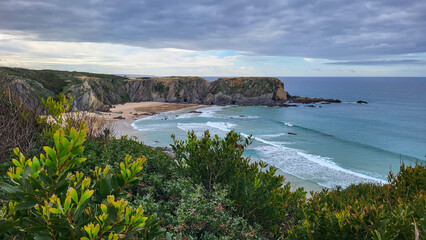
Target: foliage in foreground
{"type": "Point", "coordinates": [49, 199]}
{"type": "Point", "coordinates": [366, 211]}
{"type": "Point", "coordinates": [258, 194]}
{"type": "Point", "coordinates": [185, 210]}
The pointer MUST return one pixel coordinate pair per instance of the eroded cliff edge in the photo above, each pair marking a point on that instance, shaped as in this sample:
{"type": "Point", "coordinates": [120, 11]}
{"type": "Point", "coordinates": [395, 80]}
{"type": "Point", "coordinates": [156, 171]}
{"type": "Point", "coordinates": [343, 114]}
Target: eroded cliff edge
{"type": "Point", "coordinates": [97, 92]}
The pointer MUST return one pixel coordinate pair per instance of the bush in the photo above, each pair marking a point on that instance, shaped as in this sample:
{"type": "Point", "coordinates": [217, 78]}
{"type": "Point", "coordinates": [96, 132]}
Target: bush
{"type": "Point", "coordinates": [393, 211]}
{"type": "Point", "coordinates": [168, 194]}
{"type": "Point", "coordinates": [257, 193]}
{"type": "Point", "coordinates": [49, 199]}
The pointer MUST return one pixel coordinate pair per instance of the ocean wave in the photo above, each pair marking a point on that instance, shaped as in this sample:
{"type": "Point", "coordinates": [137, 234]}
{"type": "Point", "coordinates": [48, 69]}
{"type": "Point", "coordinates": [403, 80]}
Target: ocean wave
{"type": "Point", "coordinates": [223, 126]}
{"type": "Point", "coordinates": [273, 135]}
{"type": "Point", "coordinates": [187, 115]}
{"type": "Point", "coordinates": [197, 127]}
{"type": "Point", "coordinates": [219, 128]}
{"type": "Point", "coordinates": [288, 124]}
{"type": "Point", "coordinates": [319, 169]}
{"type": "Point", "coordinates": [359, 144]}
{"type": "Point", "coordinates": [152, 127]}
{"type": "Point", "coordinates": [211, 112]}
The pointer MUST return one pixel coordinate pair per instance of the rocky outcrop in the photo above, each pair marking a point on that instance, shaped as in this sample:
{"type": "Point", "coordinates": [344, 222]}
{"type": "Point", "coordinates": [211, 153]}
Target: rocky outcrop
{"type": "Point", "coordinates": [167, 89]}
{"type": "Point", "coordinates": [28, 92]}
{"type": "Point", "coordinates": [246, 91]}
{"type": "Point", "coordinates": [97, 94]}
{"type": "Point", "coordinates": [307, 100]}
{"type": "Point", "coordinates": [241, 91]}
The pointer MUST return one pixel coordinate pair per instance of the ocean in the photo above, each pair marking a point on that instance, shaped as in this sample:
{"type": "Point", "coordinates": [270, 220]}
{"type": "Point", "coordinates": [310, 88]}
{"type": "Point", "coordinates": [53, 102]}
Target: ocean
{"type": "Point", "coordinates": [329, 145]}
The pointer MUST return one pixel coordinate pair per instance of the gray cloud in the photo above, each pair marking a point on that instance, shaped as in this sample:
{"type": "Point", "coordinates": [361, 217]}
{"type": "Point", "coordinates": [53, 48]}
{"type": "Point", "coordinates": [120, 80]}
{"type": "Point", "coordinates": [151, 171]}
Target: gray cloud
{"type": "Point", "coordinates": [379, 62]}
{"type": "Point", "coordinates": [331, 29]}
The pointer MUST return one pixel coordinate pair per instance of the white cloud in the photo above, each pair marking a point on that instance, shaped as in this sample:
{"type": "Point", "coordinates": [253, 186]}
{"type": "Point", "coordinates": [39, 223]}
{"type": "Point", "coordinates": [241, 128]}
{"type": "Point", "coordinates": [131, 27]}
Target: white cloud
{"type": "Point", "coordinates": [111, 58]}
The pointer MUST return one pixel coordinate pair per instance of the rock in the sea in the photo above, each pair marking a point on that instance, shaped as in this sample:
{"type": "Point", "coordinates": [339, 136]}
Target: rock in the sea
{"type": "Point", "coordinates": [290, 133]}
{"type": "Point", "coordinates": [361, 102]}
{"type": "Point", "coordinates": [308, 100]}
{"type": "Point", "coordinates": [195, 112]}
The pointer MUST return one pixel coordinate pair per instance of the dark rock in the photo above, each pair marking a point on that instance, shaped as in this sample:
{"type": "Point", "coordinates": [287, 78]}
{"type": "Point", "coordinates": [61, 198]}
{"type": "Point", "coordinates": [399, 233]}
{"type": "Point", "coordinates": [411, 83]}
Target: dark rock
{"type": "Point", "coordinates": [361, 102]}
{"type": "Point", "coordinates": [308, 100]}
{"type": "Point", "coordinates": [195, 112]}
{"type": "Point", "coordinates": [290, 133]}
{"type": "Point", "coordinates": [119, 117]}
{"type": "Point", "coordinates": [288, 105]}
{"type": "Point", "coordinates": [312, 106]}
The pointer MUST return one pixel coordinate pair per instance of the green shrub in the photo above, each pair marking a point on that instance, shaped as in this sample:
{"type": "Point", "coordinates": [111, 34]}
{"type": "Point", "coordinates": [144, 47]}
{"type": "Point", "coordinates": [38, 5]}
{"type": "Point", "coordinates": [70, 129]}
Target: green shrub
{"type": "Point", "coordinates": [47, 199]}
{"type": "Point", "coordinates": [257, 193]}
{"type": "Point", "coordinates": [367, 211]}
{"type": "Point", "coordinates": [207, 216]}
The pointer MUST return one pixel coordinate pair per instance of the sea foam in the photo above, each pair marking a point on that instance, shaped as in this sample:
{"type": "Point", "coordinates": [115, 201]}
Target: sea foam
{"type": "Point", "coordinates": [321, 170]}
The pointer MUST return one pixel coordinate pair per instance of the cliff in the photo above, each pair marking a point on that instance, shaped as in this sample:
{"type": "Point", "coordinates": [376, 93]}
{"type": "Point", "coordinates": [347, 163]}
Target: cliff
{"type": "Point", "coordinates": [167, 89]}
{"type": "Point", "coordinates": [97, 92]}
{"type": "Point", "coordinates": [246, 91]}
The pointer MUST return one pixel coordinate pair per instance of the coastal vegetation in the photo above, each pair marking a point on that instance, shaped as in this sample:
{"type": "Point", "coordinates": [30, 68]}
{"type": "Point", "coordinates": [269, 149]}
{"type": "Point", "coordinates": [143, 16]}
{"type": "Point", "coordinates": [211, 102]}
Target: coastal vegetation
{"type": "Point", "coordinates": [59, 182]}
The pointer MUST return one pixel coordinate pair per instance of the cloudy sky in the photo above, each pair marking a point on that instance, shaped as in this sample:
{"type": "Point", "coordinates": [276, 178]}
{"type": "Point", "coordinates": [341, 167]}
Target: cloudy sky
{"type": "Point", "coordinates": [217, 37]}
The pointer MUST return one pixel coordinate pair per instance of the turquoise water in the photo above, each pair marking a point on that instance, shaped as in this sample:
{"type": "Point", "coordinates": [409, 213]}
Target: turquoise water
{"type": "Point", "coordinates": [335, 144]}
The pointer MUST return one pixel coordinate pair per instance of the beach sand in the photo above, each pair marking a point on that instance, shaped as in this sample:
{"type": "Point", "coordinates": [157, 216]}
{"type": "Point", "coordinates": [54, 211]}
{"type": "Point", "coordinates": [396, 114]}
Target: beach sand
{"type": "Point", "coordinates": [133, 111]}
{"type": "Point", "coordinates": [123, 115]}
{"type": "Point", "coordinates": [137, 110]}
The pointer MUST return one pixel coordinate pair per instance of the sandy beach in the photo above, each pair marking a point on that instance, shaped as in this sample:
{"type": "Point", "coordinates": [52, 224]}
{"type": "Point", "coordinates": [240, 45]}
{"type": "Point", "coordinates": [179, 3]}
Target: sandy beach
{"type": "Point", "coordinates": [123, 115]}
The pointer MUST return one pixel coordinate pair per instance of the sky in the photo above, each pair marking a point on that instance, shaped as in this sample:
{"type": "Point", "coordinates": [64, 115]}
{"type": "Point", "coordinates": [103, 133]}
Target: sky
{"type": "Point", "coordinates": [217, 37]}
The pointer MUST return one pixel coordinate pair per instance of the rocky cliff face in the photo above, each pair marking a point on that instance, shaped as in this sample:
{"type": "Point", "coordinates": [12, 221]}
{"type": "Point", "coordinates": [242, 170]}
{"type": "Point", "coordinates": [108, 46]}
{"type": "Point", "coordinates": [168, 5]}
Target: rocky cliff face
{"type": "Point", "coordinates": [246, 91]}
{"type": "Point", "coordinates": [97, 94]}
{"type": "Point", "coordinates": [97, 91]}
{"type": "Point", "coordinates": [241, 91]}
{"type": "Point", "coordinates": [168, 89]}
{"type": "Point", "coordinates": [28, 92]}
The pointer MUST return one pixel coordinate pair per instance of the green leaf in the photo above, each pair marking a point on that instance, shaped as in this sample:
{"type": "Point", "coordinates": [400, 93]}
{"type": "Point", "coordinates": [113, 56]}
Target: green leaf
{"type": "Point", "coordinates": [55, 210]}
{"type": "Point", "coordinates": [9, 188]}
{"type": "Point", "coordinates": [112, 213]}
{"type": "Point", "coordinates": [86, 195]}
{"type": "Point", "coordinates": [16, 162]}
{"type": "Point", "coordinates": [50, 152]}
{"type": "Point", "coordinates": [73, 193]}
{"type": "Point", "coordinates": [105, 191]}
{"type": "Point", "coordinates": [26, 205]}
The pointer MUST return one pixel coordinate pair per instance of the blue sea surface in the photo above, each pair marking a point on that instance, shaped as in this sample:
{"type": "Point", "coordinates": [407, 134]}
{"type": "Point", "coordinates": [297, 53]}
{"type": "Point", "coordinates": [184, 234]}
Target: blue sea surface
{"type": "Point", "coordinates": [330, 144]}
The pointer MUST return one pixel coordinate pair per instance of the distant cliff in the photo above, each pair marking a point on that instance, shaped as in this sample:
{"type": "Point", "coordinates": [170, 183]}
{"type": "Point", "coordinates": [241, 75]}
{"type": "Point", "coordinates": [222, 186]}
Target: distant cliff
{"type": "Point", "coordinates": [246, 91]}
{"type": "Point", "coordinates": [167, 89]}
{"type": "Point", "coordinates": [98, 91]}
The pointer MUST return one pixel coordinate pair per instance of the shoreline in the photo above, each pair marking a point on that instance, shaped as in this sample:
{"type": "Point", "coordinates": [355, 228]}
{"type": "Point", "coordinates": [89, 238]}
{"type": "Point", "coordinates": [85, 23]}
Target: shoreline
{"type": "Point", "coordinates": [123, 127]}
